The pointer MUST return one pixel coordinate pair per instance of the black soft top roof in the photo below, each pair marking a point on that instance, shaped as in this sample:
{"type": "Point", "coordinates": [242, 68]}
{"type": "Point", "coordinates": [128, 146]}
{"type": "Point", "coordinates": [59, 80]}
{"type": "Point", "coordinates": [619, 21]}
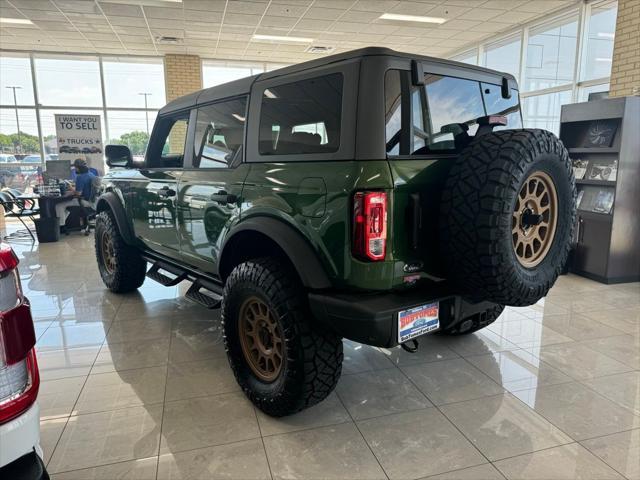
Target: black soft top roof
{"type": "Point", "coordinates": [243, 85]}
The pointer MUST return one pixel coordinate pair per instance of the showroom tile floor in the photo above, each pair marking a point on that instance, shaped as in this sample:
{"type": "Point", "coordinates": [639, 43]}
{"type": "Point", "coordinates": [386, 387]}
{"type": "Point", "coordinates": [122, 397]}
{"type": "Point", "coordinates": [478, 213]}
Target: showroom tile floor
{"type": "Point", "coordinates": [138, 387]}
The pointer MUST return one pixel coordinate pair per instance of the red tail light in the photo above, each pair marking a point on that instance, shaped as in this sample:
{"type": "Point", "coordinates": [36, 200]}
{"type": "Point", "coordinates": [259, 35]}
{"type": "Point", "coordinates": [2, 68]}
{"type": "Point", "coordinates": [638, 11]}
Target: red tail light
{"type": "Point", "coordinates": [370, 225]}
{"type": "Point", "coordinates": [19, 377]}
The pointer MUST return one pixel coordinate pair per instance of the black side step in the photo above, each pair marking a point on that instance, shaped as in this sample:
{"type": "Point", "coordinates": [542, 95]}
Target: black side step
{"type": "Point", "coordinates": [209, 300]}
{"type": "Point", "coordinates": [155, 274]}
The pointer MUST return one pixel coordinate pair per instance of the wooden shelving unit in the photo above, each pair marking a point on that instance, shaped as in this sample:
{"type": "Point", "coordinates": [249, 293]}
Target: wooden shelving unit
{"type": "Point", "coordinates": [607, 238]}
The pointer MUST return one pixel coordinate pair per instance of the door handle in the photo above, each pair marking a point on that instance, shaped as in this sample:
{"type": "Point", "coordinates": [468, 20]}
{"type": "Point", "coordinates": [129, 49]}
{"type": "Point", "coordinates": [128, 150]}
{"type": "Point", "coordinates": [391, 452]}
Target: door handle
{"type": "Point", "coordinates": [166, 192]}
{"type": "Point", "coordinates": [223, 197]}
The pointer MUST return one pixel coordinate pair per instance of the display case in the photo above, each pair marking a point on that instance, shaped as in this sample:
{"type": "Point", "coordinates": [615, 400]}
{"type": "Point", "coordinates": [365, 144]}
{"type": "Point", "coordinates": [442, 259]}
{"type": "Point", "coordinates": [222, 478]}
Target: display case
{"type": "Point", "coordinates": [603, 140]}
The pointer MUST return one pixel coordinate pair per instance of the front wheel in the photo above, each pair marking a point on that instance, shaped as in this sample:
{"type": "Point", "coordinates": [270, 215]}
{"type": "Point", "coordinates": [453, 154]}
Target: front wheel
{"type": "Point", "coordinates": [281, 360]}
{"type": "Point", "coordinates": [121, 266]}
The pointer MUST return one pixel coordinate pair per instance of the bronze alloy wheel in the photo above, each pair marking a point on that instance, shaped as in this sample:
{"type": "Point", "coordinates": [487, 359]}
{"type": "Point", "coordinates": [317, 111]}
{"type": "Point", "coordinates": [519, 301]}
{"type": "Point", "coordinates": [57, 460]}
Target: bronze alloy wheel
{"type": "Point", "coordinates": [108, 252]}
{"type": "Point", "coordinates": [261, 339]}
{"type": "Point", "coordinates": [535, 219]}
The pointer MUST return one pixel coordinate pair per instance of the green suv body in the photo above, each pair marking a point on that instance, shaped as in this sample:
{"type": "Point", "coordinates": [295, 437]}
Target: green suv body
{"type": "Point", "coordinates": [336, 181]}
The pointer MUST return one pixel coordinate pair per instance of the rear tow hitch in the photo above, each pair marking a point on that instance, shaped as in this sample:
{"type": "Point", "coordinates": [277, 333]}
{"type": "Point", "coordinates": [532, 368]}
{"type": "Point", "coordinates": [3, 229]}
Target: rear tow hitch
{"type": "Point", "coordinates": [411, 349]}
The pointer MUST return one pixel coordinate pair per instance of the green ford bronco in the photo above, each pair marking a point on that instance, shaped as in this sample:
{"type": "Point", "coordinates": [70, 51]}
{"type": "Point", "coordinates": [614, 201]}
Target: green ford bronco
{"type": "Point", "coordinates": [372, 195]}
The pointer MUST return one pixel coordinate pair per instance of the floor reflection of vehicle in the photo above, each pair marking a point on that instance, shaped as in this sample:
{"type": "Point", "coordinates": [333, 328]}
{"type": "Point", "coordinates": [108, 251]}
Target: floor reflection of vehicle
{"type": "Point", "coordinates": [20, 452]}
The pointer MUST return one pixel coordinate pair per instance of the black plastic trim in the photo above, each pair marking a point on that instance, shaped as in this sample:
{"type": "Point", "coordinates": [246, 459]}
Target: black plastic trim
{"type": "Point", "coordinates": [27, 467]}
{"type": "Point", "coordinates": [110, 200]}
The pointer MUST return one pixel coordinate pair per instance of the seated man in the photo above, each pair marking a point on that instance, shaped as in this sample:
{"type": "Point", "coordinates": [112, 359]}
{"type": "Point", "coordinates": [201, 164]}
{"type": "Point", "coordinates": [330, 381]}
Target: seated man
{"type": "Point", "coordinates": [83, 192]}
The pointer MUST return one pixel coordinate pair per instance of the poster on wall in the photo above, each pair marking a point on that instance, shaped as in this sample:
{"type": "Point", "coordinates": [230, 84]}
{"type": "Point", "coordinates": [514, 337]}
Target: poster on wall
{"type": "Point", "coordinates": [80, 136]}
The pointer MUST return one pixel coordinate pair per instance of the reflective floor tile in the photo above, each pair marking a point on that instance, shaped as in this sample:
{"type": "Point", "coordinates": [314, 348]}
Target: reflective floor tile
{"type": "Point", "coordinates": [528, 333]}
{"type": "Point", "coordinates": [451, 381]}
{"type": "Point", "coordinates": [623, 348]}
{"type": "Point", "coordinates": [579, 361]}
{"type": "Point", "coordinates": [373, 394]}
{"type": "Point", "coordinates": [143, 329]}
{"type": "Point", "coordinates": [50, 433]}
{"type": "Point", "coordinates": [578, 327]}
{"type": "Point", "coordinates": [130, 355]}
{"type": "Point", "coordinates": [237, 461]}
{"type": "Point", "coordinates": [360, 358]}
{"type": "Point", "coordinates": [72, 362]}
{"type": "Point", "coordinates": [502, 426]}
{"type": "Point", "coordinates": [432, 349]}
{"type": "Point", "coordinates": [201, 378]}
{"type": "Point", "coordinates": [57, 397]}
{"type": "Point", "coordinates": [74, 336]}
{"type": "Point", "coordinates": [108, 437]}
{"type": "Point", "coordinates": [479, 343]}
{"type": "Point", "coordinates": [142, 469]}
{"type": "Point", "coordinates": [122, 389]}
{"type": "Point", "coordinates": [329, 453]}
{"type": "Point", "coordinates": [328, 412]}
{"type": "Point", "coordinates": [578, 411]}
{"type": "Point", "coordinates": [518, 370]}
{"type": "Point", "coordinates": [418, 444]}
{"type": "Point", "coordinates": [207, 421]}
{"type": "Point", "coordinates": [621, 451]}
{"type": "Point", "coordinates": [569, 462]}
{"type": "Point", "coordinates": [624, 319]}
{"type": "Point", "coordinates": [481, 472]}
{"type": "Point", "coordinates": [196, 340]}
{"type": "Point", "coordinates": [579, 303]}
{"type": "Point", "coordinates": [623, 388]}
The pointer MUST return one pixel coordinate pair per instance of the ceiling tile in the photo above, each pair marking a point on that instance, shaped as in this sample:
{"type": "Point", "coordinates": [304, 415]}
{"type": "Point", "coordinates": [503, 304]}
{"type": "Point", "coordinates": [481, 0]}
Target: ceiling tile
{"type": "Point", "coordinates": [76, 6]}
{"type": "Point", "coordinates": [481, 14]}
{"type": "Point", "coordinates": [127, 21]}
{"type": "Point", "coordinates": [269, 21]}
{"type": "Point", "coordinates": [412, 8]}
{"type": "Point", "coordinates": [375, 5]}
{"type": "Point", "coordinates": [313, 24]}
{"type": "Point", "coordinates": [284, 10]}
{"type": "Point", "coordinates": [347, 27]}
{"type": "Point", "coordinates": [162, 13]}
{"type": "Point", "coordinates": [323, 13]}
{"type": "Point", "coordinates": [240, 19]}
{"type": "Point", "coordinates": [205, 5]}
{"type": "Point", "coordinates": [118, 9]}
{"type": "Point", "coordinates": [254, 7]}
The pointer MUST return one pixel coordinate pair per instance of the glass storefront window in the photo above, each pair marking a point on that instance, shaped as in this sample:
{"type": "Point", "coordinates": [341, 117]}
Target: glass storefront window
{"type": "Point", "coordinates": [543, 111]}
{"type": "Point", "coordinates": [551, 54]}
{"type": "Point", "coordinates": [16, 72]}
{"type": "Point", "coordinates": [68, 80]}
{"type": "Point", "coordinates": [130, 128]}
{"type": "Point", "coordinates": [504, 56]}
{"type": "Point", "coordinates": [217, 73]}
{"type": "Point", "coordinates": [19, 154]}
{"type": "Point", "coordinates": [598, 44]}
{"type": "Point", "coordinates": [126, 81]}
{"type": "Point", "coordinates": [583, 92]}
{"type": "Point", "coordinates": [467, 57]}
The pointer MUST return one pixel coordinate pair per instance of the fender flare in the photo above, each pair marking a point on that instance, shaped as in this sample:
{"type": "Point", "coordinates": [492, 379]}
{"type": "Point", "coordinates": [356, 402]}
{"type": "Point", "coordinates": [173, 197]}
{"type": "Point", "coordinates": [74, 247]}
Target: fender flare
{"type": "Point", "coordinates": [292, 243]}
{"type": "Point", "coordinates": [111, 201]}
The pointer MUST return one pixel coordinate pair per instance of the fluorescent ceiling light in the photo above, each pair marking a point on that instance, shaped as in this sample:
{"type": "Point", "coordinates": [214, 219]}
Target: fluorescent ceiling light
{"type": "Point", "coordinates": [278, 38]}
{"type": "Point", "coordinates": [269, 94]}
{"type": "Point", "coordinates": [16, 21]}
{"type": "Point", "coordinates": [602, 59]}
{"type": "Point", "coordinates": [240, 118]}
{"type": "Point", "coordinates": [411, 18]}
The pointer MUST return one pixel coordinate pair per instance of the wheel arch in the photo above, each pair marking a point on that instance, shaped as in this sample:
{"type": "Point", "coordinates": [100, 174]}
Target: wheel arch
{"type": "Point", "coordinates": [266, 236]}
{"type": "Point", "coordinates": [110, 202]}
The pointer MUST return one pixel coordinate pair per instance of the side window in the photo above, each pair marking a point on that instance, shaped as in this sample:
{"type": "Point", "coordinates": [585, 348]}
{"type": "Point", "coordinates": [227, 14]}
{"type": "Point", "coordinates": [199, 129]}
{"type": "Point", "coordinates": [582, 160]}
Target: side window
{"type": "Point", "coordinates": [393, 111]}
{"type": "Point", "coordinates": [166, 149]}
{"type": "Point", "coordinates": [219, 133]}
{"type": "Point", "coordinates": [302, 117]}
{"type": "Point", "coordinates": [496, 105]}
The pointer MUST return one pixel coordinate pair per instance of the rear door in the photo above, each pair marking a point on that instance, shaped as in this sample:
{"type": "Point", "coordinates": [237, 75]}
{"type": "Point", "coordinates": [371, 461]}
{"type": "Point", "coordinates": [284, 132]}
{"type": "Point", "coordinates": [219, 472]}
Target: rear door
{"type": "Point", "coordinates": [210, 190]}
{"type": "Point", "coordinates": [426, 128]}
{"type": "Point", "coordinates": [154, 190]}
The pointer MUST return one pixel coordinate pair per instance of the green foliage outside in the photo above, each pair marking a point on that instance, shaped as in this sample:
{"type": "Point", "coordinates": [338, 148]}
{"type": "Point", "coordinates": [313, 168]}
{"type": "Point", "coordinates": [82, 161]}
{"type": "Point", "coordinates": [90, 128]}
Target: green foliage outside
{"type": "Point", "coordinates": [136, 141]}
{"type": "Point", "coordinates": [10, 143]}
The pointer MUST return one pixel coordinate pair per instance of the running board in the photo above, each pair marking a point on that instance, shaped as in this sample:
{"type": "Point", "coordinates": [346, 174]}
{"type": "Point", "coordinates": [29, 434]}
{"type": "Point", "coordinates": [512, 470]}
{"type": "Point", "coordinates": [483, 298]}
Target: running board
{"type": "Point", "coordinates": [155, 274]}
{"type": "Point", "coordinates": [208, 300]}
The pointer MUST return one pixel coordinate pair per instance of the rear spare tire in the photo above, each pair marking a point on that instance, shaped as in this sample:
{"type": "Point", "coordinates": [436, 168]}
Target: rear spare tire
{"type": "Point", "coordinates": [507, 216]}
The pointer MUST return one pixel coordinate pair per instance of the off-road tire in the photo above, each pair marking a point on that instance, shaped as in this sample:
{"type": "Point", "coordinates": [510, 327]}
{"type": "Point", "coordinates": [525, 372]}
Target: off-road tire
{"type": "Point", "coordinates": [477, 208]}
{"type": "Point", "coordinates": [312, 356]}
{"type": "Point", "coordinates": [130, 269]}
{"type": "Point", "coordinates": [475, 322]}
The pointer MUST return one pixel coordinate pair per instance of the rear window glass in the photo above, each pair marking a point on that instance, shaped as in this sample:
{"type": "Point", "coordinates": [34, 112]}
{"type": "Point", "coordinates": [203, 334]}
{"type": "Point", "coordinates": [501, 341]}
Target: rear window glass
{"type": "Point", "coordinates": [444, 112]}
{"type": "Point", "coordinates": [302, 117]}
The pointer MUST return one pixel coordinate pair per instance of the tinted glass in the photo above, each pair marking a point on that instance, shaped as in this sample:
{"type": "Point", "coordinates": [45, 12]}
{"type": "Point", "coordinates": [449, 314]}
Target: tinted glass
{"type": "Point", "coordinates": [393, 111]}
{"type": "Point", "coordinates": [302, 117]}
{"type": "Point", "coordinates": [219, 133]}
{"type": "Point", "coordinates": [496, 105]}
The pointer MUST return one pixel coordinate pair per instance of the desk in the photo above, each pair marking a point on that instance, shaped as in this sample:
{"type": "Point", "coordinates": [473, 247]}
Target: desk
{"type": "Point", "coordinates": [47, 203]}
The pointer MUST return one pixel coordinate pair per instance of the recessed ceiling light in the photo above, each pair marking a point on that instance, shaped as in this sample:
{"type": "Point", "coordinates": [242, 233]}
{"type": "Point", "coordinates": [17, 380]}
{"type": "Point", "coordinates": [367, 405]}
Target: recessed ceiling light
{"type": "Point", "coordinates": [16, 21]}
{"type": "Point", "coordinates": [278, 38]}
{"type": "Point", "coordinates": [411, 18]}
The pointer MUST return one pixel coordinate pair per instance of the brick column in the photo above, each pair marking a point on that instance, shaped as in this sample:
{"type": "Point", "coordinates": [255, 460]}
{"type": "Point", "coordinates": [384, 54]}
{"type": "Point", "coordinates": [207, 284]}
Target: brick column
{"type": "Point", "coordinates": [625, 68]}
{"type": "Point", "coordinates": [182, 75]}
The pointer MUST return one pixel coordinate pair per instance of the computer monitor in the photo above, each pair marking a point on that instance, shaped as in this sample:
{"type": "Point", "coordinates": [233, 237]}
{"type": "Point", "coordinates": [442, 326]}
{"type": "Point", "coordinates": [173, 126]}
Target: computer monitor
{"type": "Point", "coordinates": [58, 169]}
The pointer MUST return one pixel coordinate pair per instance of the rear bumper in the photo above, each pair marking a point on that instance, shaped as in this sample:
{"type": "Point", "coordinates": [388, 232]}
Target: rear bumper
{"type": "Point", "coordinates": [372, 317]}
{"type": "Point", "coordinates": [27, 467]}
